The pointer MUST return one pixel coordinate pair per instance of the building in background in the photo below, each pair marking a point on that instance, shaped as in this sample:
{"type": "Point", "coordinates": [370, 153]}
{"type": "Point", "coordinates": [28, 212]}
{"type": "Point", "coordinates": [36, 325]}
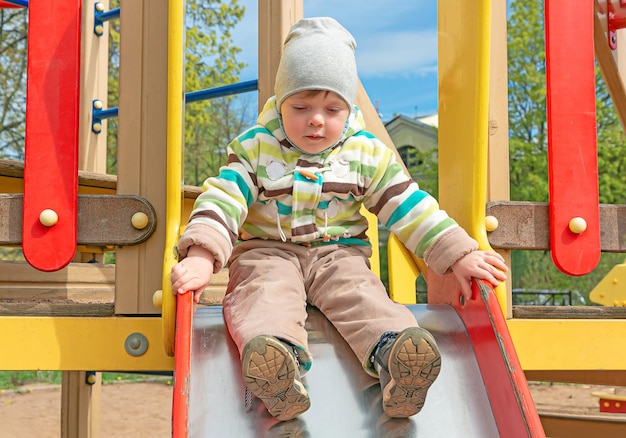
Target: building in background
{"type": "Point", "coordinates": [411, 135]}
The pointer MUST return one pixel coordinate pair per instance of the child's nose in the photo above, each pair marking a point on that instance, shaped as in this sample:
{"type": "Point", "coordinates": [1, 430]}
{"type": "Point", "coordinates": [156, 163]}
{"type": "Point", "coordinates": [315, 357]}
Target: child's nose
{"type": "Point", "coordinates": [316, 119]}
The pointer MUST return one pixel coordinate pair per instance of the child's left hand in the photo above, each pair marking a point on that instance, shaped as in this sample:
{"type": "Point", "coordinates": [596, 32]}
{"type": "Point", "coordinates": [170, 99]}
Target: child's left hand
{"type": "Point", "coordinates": [484, 265]}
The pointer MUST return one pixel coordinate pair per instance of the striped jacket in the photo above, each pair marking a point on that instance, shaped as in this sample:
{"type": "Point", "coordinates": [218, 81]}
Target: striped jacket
{"type": "Point", "coordinates": [272, 190]}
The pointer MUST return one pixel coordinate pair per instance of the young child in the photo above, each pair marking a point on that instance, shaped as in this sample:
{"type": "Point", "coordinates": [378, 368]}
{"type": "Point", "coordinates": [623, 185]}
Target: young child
{"type": "Point", "coordinates": [285, 214]}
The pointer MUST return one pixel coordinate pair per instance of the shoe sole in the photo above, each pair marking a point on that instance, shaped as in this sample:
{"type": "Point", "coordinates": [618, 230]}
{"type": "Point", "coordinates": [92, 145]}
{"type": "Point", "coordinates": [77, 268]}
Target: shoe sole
{"type": "Point", "coordinates": [414, 364]}
{"type": "Point", "coordinates": [270, 373]}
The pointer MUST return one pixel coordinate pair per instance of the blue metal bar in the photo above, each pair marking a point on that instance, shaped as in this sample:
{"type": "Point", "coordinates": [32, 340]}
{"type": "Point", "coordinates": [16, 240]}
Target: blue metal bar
{"type": "Point", "coordinates": [226, 90]}
{"type": "Point", "coordinates": [105, 113]}
{"type": "Point", "coordinates": [108, 15]}
{"type": "Point", "coordinates": [97, 115]}
{"type": "Point", "coordinates": [22, 3]}
{"type": "Point", "coordinates": [100, 16]}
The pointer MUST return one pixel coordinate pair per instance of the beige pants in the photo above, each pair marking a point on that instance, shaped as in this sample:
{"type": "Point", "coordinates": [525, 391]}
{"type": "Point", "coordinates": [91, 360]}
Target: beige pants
{"type": "Point", "coordinates": [272, 282]}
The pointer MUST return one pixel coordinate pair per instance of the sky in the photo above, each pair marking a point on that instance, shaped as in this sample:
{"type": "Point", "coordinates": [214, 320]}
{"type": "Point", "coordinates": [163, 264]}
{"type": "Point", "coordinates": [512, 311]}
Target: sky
{"type": "Point", "coordinates": [396, 49]}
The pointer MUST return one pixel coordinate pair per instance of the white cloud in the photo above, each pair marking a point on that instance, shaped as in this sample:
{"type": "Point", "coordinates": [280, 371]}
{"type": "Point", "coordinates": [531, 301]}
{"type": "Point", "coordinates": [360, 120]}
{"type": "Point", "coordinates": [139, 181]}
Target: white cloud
{"type": "Point", "coordinates": [397, 38]}
{"type": "Point", "coordinates": [403, 52]}
{"type": "Point", "coordinates": [396, 47]}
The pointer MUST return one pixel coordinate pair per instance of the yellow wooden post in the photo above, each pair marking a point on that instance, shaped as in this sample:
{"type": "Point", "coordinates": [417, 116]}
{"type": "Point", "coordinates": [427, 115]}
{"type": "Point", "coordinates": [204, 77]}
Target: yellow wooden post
{"type": "Point", "coordinates": [464, 64]}
{"type": "Point", "coordinates": [173, 176]}
{"type": "Point", "coordinates": [498, 156]}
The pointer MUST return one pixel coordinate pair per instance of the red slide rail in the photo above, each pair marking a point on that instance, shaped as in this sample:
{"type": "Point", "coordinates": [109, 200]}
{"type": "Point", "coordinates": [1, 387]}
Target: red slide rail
{"type": "Point", "coordinates": [510, 398]}
{"type": "Point", "coordinates": [182, 365]}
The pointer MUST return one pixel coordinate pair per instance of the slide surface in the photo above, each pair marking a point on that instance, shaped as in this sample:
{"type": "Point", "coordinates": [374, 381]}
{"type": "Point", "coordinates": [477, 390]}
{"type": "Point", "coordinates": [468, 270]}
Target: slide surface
{"type": "Point", "coordinates": [345, 401]}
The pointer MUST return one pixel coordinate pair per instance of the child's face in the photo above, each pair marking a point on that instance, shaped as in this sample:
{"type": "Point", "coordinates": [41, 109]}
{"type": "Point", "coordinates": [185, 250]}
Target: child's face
{"type": "Point", "coordinates": [314, 121]}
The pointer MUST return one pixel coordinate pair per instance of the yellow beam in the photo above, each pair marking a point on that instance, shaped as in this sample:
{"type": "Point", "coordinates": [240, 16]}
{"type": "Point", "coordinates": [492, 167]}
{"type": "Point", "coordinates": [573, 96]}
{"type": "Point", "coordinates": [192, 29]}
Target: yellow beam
{"type": "Point", "coordinates": [566, 344]}
{"type": "Point", "coordinates": [80, 343]}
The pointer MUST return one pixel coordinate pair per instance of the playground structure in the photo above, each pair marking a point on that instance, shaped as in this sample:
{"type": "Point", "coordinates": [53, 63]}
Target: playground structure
{"type": "Point", "coordinates": [139, 212]}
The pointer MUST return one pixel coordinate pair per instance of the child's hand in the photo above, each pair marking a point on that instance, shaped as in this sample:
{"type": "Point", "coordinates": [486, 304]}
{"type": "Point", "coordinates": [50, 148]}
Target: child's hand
{"type": "Point", "coordinates": [193, 273]}
{"type": "Point", "coordinates": [485, 265]}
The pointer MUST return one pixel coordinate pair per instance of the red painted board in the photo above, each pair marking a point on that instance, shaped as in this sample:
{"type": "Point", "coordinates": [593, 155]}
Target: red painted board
{"type": "Point", "coordinates": [512, 404]}
{"type": "Point", "coordinates": [572, 148]}
{"type": "Point", "coordinates": [51, 148]}
{"type": "Point", "coordinates": [182, 365]}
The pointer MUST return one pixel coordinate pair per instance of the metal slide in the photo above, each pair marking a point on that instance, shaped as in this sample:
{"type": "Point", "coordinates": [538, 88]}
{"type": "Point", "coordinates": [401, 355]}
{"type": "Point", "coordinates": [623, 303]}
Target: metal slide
{"type": "Point", "coordinates": [345, 401]}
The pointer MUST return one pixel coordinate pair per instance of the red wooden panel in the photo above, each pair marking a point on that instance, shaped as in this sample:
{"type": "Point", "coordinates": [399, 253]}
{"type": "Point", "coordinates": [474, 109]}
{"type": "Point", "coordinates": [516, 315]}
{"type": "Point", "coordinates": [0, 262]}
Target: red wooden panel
{"type": "Point", "coordinates": [51, 149]}
{"type": "Point", "coordinates": [572, 149]}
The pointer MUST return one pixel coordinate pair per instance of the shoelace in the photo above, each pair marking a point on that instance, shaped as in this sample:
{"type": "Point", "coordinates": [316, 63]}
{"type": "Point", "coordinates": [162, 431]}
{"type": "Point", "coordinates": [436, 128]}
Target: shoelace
{"type": "Point", "coordinates": [247, 399]}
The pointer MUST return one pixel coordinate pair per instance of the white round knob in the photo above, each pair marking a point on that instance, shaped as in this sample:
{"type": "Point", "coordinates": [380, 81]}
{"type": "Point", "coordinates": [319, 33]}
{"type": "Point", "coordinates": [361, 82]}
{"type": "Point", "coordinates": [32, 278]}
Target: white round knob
{"type": "Point", "coordinates": [157, 299]}
{"type": "Point", "coordinates": [139, 220]}
{"type": "Point", "coordinates": [491, 223]}
{"type": "Point", "coordinates": [48, 217]}
{"type": "Point", "coordinates": [577, 225]}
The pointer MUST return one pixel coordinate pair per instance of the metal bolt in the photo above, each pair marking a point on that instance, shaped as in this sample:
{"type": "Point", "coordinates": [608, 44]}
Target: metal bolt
{"type": "Point", "coordinates": [136, 344]}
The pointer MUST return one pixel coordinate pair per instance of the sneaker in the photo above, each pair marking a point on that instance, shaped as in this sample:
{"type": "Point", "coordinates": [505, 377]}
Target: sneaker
{"type": "Point", "coordinates": [270, 372]}
{"type": "Point", "coordinates": [409, 366]}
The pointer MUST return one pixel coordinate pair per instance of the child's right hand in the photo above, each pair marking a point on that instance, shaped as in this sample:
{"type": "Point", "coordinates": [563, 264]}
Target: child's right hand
{"type": "Point", "coordinates": [485, 265]}
{"type": "Point", "coordinates": [193, 273]}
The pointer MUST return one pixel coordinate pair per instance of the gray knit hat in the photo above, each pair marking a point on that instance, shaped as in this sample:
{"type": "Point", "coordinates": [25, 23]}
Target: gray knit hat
{"type": "Point", "coordinates": [318, 55]}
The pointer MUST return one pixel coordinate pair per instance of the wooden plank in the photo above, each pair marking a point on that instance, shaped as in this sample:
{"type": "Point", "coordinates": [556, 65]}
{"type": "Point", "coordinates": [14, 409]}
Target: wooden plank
{"type": "Point", "coordinates": [13, 271]}
{"type": "Point", "coordinates": [569, 312]}
{"type": "Point", "coordinates": [525, 226]}
{"type": "Point", "coordinates": [15, 169]}
{"type": "Point", "coordinates": [55, 308]}
{"type": "Point", "coordinates": [103, 220]}
{"type": "Point", "coordinates": [79, 289]}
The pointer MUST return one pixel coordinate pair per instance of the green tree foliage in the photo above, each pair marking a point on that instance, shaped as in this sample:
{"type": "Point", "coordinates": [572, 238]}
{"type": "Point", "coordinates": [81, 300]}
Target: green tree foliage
{"type": "Point", "coordinates": [527, 102]}
{"type": "Point", "coordinates": [425, 170]}
{"type": "Point", "coordinates": [211, 61]}
{"type": "Point", "coordinates": [13, 34]}
{"type": "Point", "coordinates": [528, 146]}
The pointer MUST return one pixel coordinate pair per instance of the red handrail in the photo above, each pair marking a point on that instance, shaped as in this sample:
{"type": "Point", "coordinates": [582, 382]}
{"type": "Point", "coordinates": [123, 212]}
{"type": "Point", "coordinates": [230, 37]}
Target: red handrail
{"type": "Point", "coordinates": [510, 398]}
